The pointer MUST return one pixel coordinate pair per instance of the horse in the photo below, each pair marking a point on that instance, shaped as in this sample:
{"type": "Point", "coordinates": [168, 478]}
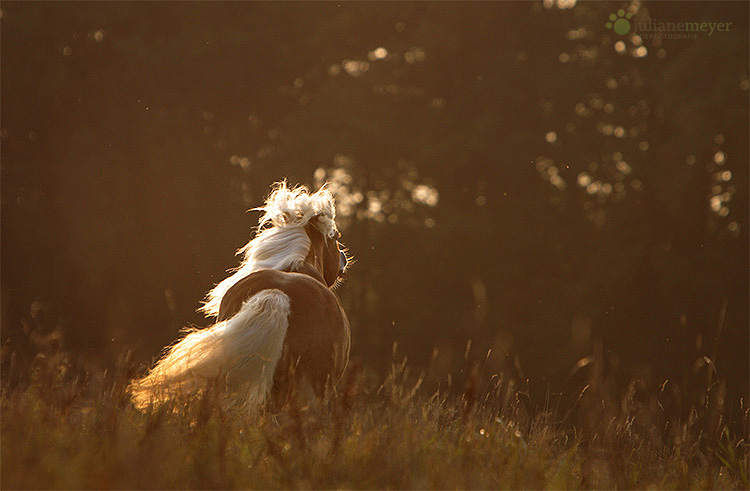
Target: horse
{"type": "Point", "coordinates": [279, 324]}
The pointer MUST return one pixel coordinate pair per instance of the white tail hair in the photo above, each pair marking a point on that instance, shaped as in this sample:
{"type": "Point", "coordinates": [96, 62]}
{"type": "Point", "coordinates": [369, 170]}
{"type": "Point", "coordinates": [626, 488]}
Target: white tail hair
{"type": "Point", "coordinates": [245, 348]}
{"type": "Point", "coordinates": [281, 242]}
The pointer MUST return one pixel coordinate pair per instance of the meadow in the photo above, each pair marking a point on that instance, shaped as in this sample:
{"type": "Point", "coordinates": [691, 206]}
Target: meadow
{"type": "Point", "coordinates": [68, 428]}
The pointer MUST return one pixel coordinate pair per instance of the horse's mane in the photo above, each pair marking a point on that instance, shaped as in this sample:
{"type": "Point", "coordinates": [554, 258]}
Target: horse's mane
{"type": "Point", "coordinates": [280, 241]}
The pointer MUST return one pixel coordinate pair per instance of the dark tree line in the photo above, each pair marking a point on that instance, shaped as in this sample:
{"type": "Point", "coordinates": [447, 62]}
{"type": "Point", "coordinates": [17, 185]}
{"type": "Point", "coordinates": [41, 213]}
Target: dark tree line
{"type": "Point", "coordinates": [514, 174]}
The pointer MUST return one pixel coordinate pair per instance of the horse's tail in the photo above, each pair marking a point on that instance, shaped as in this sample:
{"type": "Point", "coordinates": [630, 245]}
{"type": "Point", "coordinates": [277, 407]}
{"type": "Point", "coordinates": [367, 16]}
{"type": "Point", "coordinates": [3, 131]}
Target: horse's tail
{"type": "Point", "coordinates": [245, 349]}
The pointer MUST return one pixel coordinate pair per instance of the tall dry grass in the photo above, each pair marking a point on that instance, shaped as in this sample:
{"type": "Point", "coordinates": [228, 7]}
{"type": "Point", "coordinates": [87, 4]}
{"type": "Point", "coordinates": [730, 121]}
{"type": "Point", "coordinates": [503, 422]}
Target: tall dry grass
{"type": "Point", "coordinates": [65, 427]}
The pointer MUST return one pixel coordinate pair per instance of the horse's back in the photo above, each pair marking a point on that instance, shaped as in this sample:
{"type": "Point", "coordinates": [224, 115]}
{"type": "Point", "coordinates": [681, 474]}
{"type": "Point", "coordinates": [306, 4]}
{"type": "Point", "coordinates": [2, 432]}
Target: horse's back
{"type": "Point", "coordinates": [318, 339]}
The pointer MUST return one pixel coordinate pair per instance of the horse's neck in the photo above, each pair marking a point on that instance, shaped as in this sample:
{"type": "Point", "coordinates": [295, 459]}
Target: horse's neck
{"type": "Point", "coordinates": [309, 270]}
{"type": "Point", "coordinates": [313, 263]}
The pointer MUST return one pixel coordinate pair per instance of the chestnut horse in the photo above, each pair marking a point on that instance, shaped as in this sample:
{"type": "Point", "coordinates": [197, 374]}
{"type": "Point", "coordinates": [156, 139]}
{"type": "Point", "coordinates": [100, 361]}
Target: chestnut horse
{"type": "Point", "coordinates": [279, 324]}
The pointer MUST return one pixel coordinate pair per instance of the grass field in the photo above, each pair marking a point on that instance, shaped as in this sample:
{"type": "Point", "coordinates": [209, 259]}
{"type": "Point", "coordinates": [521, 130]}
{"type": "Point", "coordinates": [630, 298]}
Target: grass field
{"type": "Point", "coordinates": [66, 428]}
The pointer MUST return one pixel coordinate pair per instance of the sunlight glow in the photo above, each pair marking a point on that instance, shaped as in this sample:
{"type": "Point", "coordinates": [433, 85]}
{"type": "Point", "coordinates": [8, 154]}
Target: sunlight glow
{"type": "Point", "coordinates": [546, 168]}
{"type": "Point", "coordinates": [640, 52]}
{"type": "Point", "coordinates": [425, 194]}
{"type": "Point", "coordinates": [242, 162]}
{"type": "Point", "coordinates": [377, 54]}
{"type": "Point", "coordinates": [594, 187]}
{"type": "Point", "coordinates": [414, 55]}
{"type": "Point", "coordinates": [356, 200]}
{"type": "Point", "coordinates": [579, 33]}
{"type": "Point", "coordinates": [355, 68]}
{"type": "Point", "coordinates": [561, 4]}
{"type": "Point", "coordinates": [623, 167]}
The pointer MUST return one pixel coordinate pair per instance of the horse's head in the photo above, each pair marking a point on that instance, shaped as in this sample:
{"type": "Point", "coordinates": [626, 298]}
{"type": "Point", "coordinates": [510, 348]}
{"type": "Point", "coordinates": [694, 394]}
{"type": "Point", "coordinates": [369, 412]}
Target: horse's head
{"type": "Point", "coordinates": [325, 253]}
{"type": "Point", "coordinates": [297, 232]}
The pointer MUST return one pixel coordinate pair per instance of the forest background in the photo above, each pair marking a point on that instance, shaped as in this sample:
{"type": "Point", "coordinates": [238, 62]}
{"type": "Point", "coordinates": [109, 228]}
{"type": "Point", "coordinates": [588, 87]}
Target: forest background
{"type": "Point", "coordinates": [522, 187]}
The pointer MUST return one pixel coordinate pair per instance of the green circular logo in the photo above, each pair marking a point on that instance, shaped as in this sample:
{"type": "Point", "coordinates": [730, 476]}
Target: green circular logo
{"type": "Point", "coordinates": [619, 22]}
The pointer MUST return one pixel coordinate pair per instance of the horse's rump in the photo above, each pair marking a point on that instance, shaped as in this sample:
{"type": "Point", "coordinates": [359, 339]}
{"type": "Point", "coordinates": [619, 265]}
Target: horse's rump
{"type": "Point", "coordinates": [317, 339]}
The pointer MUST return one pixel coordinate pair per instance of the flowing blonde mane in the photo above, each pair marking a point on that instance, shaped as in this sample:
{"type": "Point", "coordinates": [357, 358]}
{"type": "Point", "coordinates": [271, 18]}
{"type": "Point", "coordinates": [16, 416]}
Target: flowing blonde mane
{"type": "Point", "coordinates": [281, 241]}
